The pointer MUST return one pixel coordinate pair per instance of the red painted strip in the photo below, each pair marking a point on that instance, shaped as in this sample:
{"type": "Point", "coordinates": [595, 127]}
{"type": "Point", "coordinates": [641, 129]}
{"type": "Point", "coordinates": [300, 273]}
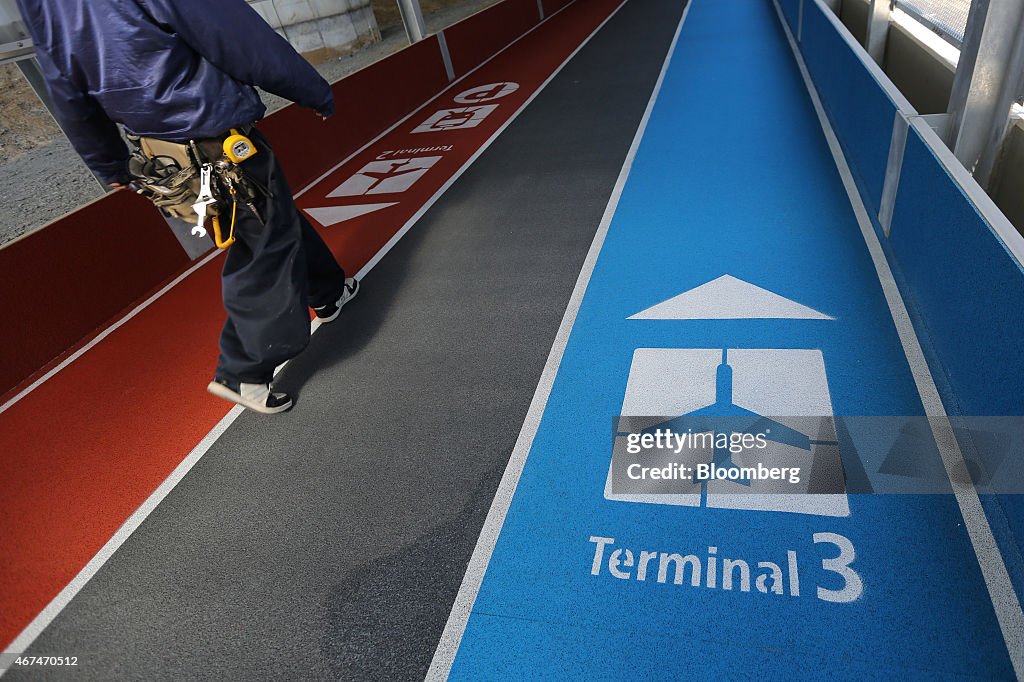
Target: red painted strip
{"type": "Point", "coordinates": [43, 278]}
{"type": "Point", "coordinates": [552, 6]}
{"type": "Point", "coordinates": [478, 37]}
{"type": "Point", "coordinates": [87, 447]}
{"type": "Point", "coordinates": [83, 450]}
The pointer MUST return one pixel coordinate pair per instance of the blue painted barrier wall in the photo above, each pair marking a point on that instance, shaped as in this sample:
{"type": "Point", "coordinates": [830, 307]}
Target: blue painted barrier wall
{"type": "Point", "coordinates": [962, 283]}
{"type": "Point", "coordinates": [861, 111]}
{"type": "Point", "coordinates": [791, 10]}
{"type": "Point", "coordinates": [968, 292]}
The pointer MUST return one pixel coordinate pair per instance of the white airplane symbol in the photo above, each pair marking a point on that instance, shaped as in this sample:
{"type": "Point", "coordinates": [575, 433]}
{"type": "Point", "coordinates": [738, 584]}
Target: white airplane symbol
{"type": "Point", "coordinates": [393, 172]}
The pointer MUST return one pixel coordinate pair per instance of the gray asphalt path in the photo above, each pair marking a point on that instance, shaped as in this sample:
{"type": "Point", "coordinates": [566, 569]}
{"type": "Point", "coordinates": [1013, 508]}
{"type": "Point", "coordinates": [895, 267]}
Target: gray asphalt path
{"type": "Point", "coordinates": [329, 543]}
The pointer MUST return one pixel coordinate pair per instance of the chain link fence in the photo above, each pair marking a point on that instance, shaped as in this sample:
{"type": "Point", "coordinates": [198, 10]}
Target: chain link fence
{"type": "Point", "coordinates": [948, 18]}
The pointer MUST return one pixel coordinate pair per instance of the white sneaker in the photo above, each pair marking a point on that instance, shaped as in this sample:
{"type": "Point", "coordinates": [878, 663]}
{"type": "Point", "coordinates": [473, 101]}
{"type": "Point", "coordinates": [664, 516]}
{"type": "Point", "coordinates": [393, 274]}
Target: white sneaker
{"type": "Point", "coordinates": [256, 397]}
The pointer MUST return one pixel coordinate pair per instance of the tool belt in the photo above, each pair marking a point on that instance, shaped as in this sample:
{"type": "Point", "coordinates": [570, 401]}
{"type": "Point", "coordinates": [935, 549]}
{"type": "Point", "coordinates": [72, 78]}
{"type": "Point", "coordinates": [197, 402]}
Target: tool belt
{"type": "Point", "coordinates": [168, 174]}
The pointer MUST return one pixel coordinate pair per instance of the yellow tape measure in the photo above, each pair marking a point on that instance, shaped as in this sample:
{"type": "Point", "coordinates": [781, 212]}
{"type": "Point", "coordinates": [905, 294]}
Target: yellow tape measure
{"type": "Point", "coordinates": [238, 147]}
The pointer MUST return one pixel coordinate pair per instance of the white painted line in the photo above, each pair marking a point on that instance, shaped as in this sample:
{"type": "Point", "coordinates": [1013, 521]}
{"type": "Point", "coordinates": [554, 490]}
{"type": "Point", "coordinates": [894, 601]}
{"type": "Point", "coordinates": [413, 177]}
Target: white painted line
{"type": "Point", "coordinates": [107, 332]}
{"type": "Point", "coordinates": [53, 609]}
{"type": "Point", "coordinates": [997, 579]}
{"type": "Point", "coordinates": [451, 638]}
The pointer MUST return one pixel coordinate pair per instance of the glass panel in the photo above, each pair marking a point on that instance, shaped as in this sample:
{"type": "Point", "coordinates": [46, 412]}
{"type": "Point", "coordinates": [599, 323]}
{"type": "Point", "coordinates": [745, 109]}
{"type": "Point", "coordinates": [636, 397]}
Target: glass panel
{"type": "Point", "coordinates": [440, 14]}
{"type": "Point", "coordinates": [41, 177]}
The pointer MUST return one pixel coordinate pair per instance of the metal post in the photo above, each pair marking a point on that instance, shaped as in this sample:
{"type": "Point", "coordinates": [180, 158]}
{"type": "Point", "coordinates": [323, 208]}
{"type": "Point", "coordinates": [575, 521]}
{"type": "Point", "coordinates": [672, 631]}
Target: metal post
{"type": "Point", "coordinates": [14, 40]}
{"type": "Point", "coordinates": [412, 17]}
{"type": "Point", "coordinates": [878, 29]}
{"type": "Point", "coordinates": [988, 79]}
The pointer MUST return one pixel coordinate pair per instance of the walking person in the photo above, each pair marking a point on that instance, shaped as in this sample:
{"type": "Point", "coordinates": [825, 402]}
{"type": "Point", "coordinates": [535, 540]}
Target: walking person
{"type": "Point", "coordinates": [180, 76]}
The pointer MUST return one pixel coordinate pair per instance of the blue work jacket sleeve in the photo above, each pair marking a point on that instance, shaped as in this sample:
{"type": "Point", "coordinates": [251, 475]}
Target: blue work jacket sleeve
{"type": "Point", "coordinates": [93, 135]}
{"type": "Point", "coordinates": [234, 38]}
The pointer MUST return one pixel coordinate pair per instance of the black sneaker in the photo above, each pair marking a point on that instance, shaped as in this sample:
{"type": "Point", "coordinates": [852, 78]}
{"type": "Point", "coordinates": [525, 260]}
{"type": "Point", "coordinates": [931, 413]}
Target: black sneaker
{"type": "Point", "coordinates": [330, 312]}
{"type": "Point", "coordinates": [256, 397]}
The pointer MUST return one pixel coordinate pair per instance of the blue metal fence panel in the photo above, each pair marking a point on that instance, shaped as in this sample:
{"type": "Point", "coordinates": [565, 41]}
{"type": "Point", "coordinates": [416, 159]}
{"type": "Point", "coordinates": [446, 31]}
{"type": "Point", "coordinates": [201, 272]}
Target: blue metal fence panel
{"type": "Point", "coordinates": [860, 110]}
{"type": "Point", "coordinates": [966, 290]}
{"type": "Point", "coordinates": [791, 10]}
{"type": "Point", "coordinates": [964, 284]}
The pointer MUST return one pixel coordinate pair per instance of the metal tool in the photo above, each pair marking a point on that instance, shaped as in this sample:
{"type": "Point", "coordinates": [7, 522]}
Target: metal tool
{"type": "Point", "coordinates": [204, 199]}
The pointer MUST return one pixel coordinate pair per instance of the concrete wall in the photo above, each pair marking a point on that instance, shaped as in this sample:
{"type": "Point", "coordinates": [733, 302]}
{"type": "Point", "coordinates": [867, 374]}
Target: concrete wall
{"type": "Point", "coordinates": [854, 14]}
{"type": "Point", "coordinates": [321, 29]}
{"type": "Point", "coordinates": [923, 77]}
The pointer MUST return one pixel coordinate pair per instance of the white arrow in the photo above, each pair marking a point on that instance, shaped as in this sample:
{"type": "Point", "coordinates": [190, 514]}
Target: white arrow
{"type": "Point", "coordinates": [729, 298]}
{"type": "Point", "coordinates": [332, 215]}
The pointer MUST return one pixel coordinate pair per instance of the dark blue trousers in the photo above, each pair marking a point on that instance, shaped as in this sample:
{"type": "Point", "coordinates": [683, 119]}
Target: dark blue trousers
{"type": "Point", "coordinates": [275, 271]}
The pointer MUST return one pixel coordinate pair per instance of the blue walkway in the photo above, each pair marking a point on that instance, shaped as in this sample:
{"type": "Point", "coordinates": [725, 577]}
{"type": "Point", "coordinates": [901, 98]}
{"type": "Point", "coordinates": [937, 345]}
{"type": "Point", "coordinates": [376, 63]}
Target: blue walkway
{"type": "Point", "coordinates": [734, 198]}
